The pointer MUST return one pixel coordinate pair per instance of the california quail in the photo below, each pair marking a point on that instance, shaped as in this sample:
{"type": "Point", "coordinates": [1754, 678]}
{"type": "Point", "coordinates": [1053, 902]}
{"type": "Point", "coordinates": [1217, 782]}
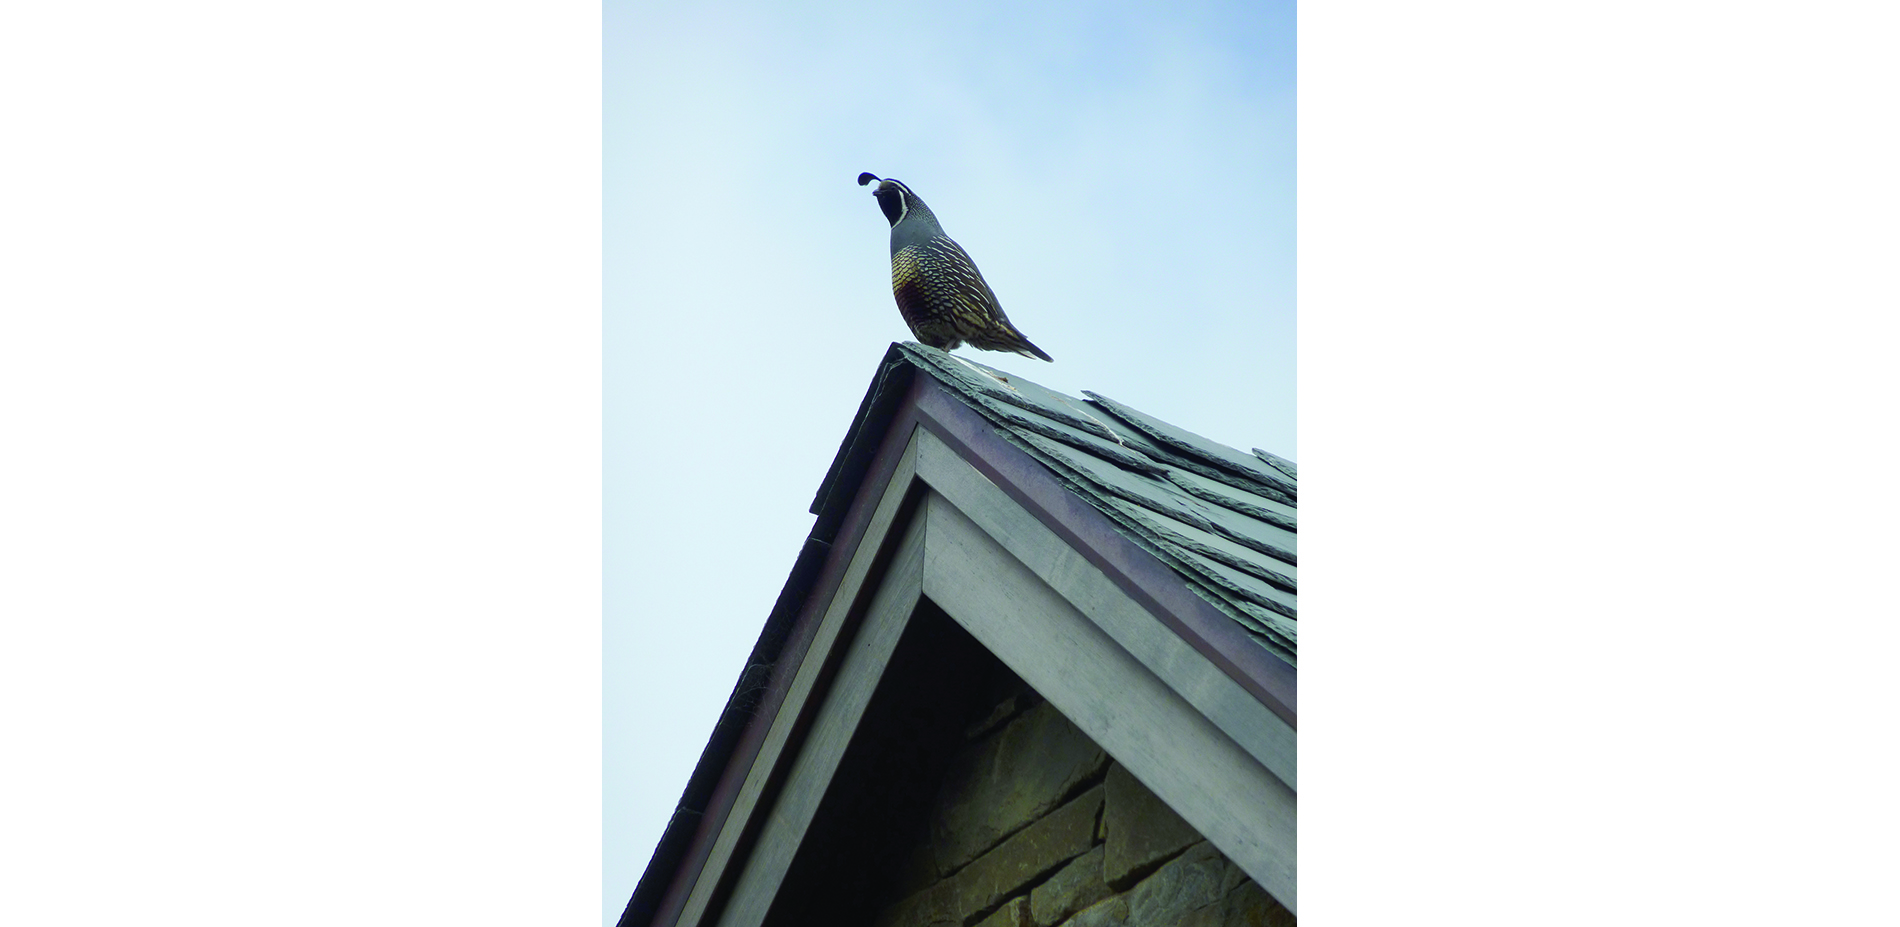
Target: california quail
{"type": "Point", "coordinates": [938, 288]}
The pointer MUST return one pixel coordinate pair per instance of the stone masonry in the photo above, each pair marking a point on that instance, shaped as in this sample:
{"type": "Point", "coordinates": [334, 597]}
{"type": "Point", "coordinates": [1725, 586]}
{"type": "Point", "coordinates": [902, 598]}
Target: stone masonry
{"type": "Point", "coordinates": [1035, 826]}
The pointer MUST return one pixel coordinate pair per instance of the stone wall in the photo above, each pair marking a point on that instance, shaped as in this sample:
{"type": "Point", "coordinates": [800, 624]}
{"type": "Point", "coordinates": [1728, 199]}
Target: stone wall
{"type": "Point", "coordinates": [1035, 825]}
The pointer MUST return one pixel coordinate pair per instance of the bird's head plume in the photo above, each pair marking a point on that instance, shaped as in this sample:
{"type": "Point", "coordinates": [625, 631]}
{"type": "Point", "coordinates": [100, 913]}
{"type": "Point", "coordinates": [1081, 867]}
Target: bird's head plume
{"type": "Point", "coordinates": [892, 196]}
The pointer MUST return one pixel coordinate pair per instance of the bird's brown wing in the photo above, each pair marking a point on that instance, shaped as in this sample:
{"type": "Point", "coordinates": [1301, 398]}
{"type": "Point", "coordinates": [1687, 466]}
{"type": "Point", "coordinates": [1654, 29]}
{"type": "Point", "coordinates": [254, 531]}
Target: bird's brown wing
{"type": "Point", "coordinates": [980, 318]}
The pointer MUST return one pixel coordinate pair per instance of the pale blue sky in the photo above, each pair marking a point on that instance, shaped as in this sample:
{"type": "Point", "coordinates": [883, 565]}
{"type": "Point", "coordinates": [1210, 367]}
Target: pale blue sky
{"type": "Point", "coordinates": [1123, 176]}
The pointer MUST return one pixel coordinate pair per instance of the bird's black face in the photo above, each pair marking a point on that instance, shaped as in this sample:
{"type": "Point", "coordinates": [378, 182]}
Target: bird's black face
{"type": "Point", "coordinates": [894, 198]}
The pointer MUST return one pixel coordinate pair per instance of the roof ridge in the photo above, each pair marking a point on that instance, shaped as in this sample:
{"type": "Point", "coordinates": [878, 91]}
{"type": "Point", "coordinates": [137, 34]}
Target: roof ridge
{"type": "Point", "coordinates": [969, 385]}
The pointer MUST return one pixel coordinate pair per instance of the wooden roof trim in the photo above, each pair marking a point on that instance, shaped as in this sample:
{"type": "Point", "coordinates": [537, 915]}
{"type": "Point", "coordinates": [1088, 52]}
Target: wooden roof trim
{"type": "Point", "coordinates": [781, 651]}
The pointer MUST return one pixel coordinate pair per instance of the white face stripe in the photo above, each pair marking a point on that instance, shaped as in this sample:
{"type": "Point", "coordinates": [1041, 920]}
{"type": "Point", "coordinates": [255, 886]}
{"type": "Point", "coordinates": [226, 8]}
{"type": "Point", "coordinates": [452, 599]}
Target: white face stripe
{"type": "Point", "coordinates": [903, 200]}
{"type": "Point", "coordinates": [903, 196]}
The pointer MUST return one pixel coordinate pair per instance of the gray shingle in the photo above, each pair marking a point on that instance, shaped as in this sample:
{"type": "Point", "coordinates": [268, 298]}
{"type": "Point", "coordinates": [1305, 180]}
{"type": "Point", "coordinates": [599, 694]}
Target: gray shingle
{"type": "Point", "coordinates": [1189, 443]}
{"type": "Point", "coordinates": [1279, 463]}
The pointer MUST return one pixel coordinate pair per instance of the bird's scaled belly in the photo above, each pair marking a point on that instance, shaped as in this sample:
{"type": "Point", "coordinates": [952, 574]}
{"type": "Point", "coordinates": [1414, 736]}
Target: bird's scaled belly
{"type": "Point", "coordinates": [920, 304]}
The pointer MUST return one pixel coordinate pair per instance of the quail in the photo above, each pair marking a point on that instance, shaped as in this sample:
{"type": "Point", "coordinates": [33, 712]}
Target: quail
{"type": "Point", "coordinates": [941, 294]}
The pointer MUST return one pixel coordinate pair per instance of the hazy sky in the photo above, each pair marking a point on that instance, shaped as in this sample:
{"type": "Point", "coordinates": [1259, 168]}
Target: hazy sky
{"type": "Point", "coordinates": [1123, 176]}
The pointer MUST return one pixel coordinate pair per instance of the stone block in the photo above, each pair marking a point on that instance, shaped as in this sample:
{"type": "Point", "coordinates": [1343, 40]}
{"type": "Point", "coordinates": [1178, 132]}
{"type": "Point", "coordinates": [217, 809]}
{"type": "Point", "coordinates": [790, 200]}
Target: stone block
{"type": "Point", "coordinates": [1013, 913]}
{"type": "Point", "coordinates": [1246, 906]}
{"type": "Point", "coordinates": [1191, 882]}
{"type": "Point", "coordinates": [1072, 888]}
{"type": "Point", "coordinates": [1109, 912]}
{"type": "Point", "coordinates": [1249, 905]}
{"type": "Point", "coordinates": [1141, 830]}
{"type": "Point", "coordinates": [1235, 876]}
{"type": "Point", "coordinates": [1213, 915]}
{"type": "Point", "coordinates": [1033, 852]}
{"type": "Point", "coordinates": [998, 785]}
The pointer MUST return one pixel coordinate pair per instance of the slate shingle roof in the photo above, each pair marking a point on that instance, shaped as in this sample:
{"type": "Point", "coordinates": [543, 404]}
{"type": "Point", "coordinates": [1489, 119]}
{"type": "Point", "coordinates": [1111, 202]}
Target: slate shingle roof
{"type": "Point", "coordinates": [1225, 520]}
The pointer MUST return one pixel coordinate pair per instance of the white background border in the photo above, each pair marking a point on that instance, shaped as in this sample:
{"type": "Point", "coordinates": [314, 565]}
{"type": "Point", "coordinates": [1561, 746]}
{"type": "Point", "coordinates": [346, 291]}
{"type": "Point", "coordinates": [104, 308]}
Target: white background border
{"type": "Point", "coordinates": [299, 377]}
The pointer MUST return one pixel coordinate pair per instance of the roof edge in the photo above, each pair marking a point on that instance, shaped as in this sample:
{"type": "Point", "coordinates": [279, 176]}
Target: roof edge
{"type": "Point", "coordinates": [875, 411]}
{"type": "Point", "coordinates": [763, 681]}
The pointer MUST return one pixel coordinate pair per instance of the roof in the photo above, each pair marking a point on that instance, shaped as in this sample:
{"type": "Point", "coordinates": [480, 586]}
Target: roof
{"type": "Point", "coordinates": [1225, 520]}
{"type": "Point", "coordinates": [1197, 537]}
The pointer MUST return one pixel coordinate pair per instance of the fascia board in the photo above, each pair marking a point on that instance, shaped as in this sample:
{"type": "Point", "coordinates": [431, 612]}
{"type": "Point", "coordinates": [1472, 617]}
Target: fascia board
{"type": "Point", "coordinates": [835, 716]}
{"type": "Point", "coordinates": [746, 771]}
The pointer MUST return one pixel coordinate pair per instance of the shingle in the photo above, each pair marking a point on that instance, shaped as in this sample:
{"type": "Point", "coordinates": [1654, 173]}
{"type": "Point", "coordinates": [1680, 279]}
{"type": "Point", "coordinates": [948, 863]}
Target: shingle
{"type": "Point", "coordinates": [1245, 585]}
{"type": "Point", "coordinates": [1027, 422]}
{"type": "Point", "coordinates": [1211, 546]}
{"type": "Point", "coordinates": [1264, 536]}
{"type": "Point", "coordinates": [1279, 625]}
{"type": "Point", "coordinates": [1279, 463]}
{"type": "Point", "coordinates": [1269, 630]}
{"type": "Point", "coordinates": [1148, 489]}
{"type": "Point", "coordinates": [1184, 441]}
{"type": "Point", "coordinates": [1253, 505]}
{"type": "Point", "coordinates": [1165, 496]}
